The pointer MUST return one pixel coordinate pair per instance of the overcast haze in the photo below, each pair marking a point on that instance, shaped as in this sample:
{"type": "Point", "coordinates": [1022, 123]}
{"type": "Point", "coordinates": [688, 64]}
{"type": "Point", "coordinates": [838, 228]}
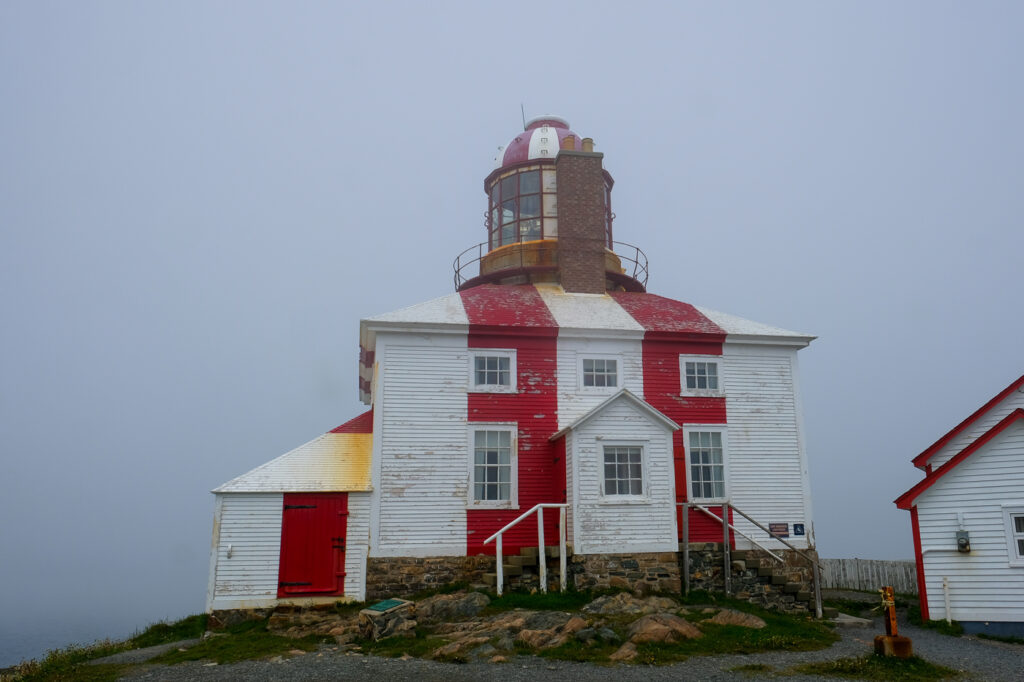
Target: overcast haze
{"type": "Point", "coordinates": [199, 201]}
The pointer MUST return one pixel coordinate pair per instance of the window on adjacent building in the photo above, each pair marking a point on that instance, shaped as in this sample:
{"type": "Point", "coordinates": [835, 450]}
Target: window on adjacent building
{"type": "Point", "coordinates": [700, 376]}
{"type": "Point", "coordinates": [707, 464]}
{"type": "Point", "coordinates": [1015, 534]}
{"type": "Point", "coordinates": [493, 371]}
{"type": "Point", "coordinates": [493, 465]}
{"type": "Point", "coordinates": [623, 470]}
{"type": "Point", "coordinates": [600, 372]}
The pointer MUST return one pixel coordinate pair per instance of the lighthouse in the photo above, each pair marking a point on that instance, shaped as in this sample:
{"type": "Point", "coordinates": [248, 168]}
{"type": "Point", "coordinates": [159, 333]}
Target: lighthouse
{"type": "Point", "coordinates": [551, 400]}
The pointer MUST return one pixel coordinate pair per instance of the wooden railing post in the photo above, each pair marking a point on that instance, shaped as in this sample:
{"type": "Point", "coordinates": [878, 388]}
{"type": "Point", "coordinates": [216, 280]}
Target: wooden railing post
{"type": "Point", "coordinates": [541, 553]}
{"type": "Point", "coordinates": [561, 548]}
{"type": "Point", "coordinates": [726, 558]}
{"type": "Point", "coordinates": [686, 548]}
{"type": "Point", "coordinates": [501, 570]}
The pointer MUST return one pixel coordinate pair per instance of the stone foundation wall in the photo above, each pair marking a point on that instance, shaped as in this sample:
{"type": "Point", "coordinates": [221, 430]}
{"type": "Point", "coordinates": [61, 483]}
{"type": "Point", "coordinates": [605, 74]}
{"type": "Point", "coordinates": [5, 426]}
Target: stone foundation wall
{"type": "Point", "coordinates": [645, 572]}
{"type": "Point", "coordinates": [399, 576]}
{"type": "Point", "coordinates": [755, 576]}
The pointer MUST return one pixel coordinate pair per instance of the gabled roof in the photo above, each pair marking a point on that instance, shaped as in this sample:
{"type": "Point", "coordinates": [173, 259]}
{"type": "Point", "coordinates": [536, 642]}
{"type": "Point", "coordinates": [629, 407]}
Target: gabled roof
{"type": "Point", "coordinates": [907, 499]}
{"type": "Point", "coordinates": [923, 458]}
{"type": "Point", "coordinates": [625, 395]}
{"type": "Point", "coordinates": [337, 461]}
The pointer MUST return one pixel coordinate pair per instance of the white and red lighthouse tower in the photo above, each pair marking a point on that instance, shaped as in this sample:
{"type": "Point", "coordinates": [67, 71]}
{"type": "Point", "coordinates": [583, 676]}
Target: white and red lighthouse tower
{"type": "Point", "coordinates": [550, 376]}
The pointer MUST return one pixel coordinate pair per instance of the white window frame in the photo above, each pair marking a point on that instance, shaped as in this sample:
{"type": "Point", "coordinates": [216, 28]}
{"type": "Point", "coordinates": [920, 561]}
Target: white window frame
{"type": "Point", "coordinates": [1015, 556]}
{"type": "Point", "coordinates": [700, 392]}
{"type": "Point", "coordinates": [509, 353]}
{"type": "Point", "coordinates": [599, 356]}
{"type": "Point", "coordinates": [513, 502]}
{"type": "Point", "coordinates": [623, 442]}
{"type": "Point", "coordinates": [701, 428]}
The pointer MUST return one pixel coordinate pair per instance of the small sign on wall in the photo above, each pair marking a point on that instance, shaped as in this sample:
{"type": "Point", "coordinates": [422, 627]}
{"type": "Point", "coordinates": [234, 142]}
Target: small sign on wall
{"type": "Point", "coordinates": [779, 529]}
{"type": "Point", "coordinates": [798, 529]}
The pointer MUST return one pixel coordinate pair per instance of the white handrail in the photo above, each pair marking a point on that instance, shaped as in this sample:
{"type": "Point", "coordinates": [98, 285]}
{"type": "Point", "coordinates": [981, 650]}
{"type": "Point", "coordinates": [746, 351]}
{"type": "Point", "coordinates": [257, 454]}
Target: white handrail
{"type": "Point", "coordinates": [541, 558]}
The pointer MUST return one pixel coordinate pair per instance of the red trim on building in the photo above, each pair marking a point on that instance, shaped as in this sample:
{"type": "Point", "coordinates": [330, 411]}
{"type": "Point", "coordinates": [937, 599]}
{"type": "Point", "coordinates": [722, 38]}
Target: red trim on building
{"type": "Point", "coordinates": [515, 317]}
{"type": "Point", "coordinates": [922, 592]}
{"type": "Point", "coordinates": [921, 459]}
{"type": "Point", "coordinates": [361, 424]}
{"type": "Point", "coordinates": [907, 499]}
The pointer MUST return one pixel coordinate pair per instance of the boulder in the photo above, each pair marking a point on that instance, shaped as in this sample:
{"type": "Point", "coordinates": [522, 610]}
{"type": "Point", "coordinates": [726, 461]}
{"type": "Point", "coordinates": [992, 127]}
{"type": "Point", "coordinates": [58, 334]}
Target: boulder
{"type": "Point", "coordinates": [458, 648]}
{"type": "Point", "coordinates": [545, 620]}
{"type": "Point", "coordinates": [731, 617]}
{"type": "Point", "coordinates": [626, 652]}
{"type": "Point", "coordinates": [380, 625]}
{"type": "Point", "coordinates": [535, 639]}
{"type": "Point", "coordinates": [621, 603]}
{"type": "Point", "coordinates": [662, 627]}
{"type": "Point", "coordinates": [451, 607]}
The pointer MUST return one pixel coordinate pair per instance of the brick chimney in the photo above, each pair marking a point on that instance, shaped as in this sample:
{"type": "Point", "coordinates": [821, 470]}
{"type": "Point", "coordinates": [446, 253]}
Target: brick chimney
{"type": "Point", "coordinates": [582, 218]}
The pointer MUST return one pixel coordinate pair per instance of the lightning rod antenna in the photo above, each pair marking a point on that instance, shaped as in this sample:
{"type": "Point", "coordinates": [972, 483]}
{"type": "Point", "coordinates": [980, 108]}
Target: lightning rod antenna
{"type": "Point", "coordinates": [523, 110]}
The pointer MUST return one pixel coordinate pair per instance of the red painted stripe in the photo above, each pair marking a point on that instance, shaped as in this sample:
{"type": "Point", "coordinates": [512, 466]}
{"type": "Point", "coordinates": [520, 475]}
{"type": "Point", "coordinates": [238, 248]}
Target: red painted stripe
{"type": "Point", "coordinates": [493, 308]}
{"type": "Point", "coordinates": [361, 424]}
{"type": "Point", "coordinates": [922, 592]}
{"type": "Point", "coordinates": [541, 469]}
{"type": "Point", "coordinates": [703, 528]}
{"type": "Point", "coordinates": [664, 316]}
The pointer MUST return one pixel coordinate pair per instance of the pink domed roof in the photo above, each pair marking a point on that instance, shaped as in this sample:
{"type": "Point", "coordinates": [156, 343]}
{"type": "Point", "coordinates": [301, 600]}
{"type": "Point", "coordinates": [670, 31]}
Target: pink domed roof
{"type": "Point", "coordinates": [541, 140]}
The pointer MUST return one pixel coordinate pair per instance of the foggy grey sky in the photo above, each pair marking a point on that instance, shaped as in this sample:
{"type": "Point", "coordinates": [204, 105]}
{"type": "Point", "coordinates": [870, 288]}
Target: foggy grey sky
{"type": "Point", "coordinates": [199, 201]}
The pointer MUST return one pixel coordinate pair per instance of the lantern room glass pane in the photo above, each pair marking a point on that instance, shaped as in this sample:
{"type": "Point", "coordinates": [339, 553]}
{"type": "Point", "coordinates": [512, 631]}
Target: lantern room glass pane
{"type": "Point", "coordinates": [529, 182]}
{"type": "Point", "coordinates": [529, 207]}
{"type": "Point", "coordinates": [508, 187]}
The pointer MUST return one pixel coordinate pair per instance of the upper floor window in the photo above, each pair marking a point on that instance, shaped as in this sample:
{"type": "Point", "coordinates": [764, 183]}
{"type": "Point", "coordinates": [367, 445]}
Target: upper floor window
{"type": "Point", "coordinates": [700, 375]}
{"type": "Point", "coordinates": [599, 372]}
{"type": "Point", "coordinates": [493, 371]}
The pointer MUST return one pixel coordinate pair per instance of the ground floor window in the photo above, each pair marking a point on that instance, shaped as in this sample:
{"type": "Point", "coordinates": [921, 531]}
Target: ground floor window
{"type": "Point", "coordinates": [493, 457]}
{"type": "Point", "coordinates": [623, 470]}
{"type": "Point", "coordinates": [706, 450]}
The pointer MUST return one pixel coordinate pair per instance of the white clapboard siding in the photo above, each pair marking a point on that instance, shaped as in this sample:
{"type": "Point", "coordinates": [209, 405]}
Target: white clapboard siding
{"type": "Point", "coordinates": [607, 524]}
{"type": "Point", "coordinates": [423, 470]}
{"type": "Point", "coordinates": [248, 526]}
{"type": "Point", "coordinates": [982, 584]}
{"type": "Point", "coordinates": [357, 543]}
{"type": "Point", "coordinates": [767, 476]}
{"type": "Point", "coordinates": [570, 490]}
{"type": "Point", "coordinates": [573, 401]}
{"type": "Point", "coordinates": [985, 422]}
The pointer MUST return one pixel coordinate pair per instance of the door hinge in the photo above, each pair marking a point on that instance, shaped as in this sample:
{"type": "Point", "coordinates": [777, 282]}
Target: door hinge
{"type": "Point", "coordinates": [300, 506]}
{"type": "Point", "coordinates": [286, 584]}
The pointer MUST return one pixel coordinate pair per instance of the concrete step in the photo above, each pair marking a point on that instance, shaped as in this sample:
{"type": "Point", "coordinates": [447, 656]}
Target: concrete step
{"type": "Point", "coordinates": [778, 579]}
{"type": "Point", "coordinates": [521, 560]}
{"type": "Point", "coordinates": [792, 588]}
{"type": "Point", "coordinates": [551, 551]}
{"type": "Point", "coordinates": [491, 579]}
{"type": "Point", "coordinates": [803, 595]}
{"type": "Point", "coordinates": [765, 571]}
{"type": "Point", "coordinates": [829, 612]}
{"type": "Point", "coordinates": [528, 551]}
{"type": "Point", "coordinates": [738, 554]}
{"type": "Point", "coordinates": [510, 570]}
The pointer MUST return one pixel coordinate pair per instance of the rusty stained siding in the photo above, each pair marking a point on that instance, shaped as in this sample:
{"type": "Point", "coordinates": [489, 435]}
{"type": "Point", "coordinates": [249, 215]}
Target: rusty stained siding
{"type": "Point", "coordinates": [978, 428]}
{"type": "Point", "coordinates": [250, 530]}
{"type": "Point", "coordinates": [333, 462]}
{"type": "Point", "coordinates": [767, 477]}
{"type": "Point", "coordinates": [423, 474]}
{"type": "Point", "coordinates": [613, 524]}
{"type": "Point", "coordinates": [574, 401]}
{"type": "Point", "coordinates": [534, 410]}
{"type": "Point", "coordinates": [983, 586]}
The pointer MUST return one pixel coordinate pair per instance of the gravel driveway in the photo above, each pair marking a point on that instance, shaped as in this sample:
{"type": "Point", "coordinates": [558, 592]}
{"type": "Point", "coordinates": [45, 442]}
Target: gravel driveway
{"type": "Point", "coordinates": [979, 659]}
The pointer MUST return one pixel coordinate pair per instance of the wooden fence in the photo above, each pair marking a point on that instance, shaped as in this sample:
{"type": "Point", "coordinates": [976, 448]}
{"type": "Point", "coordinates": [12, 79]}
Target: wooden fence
{"type": "Point", "coordinates": [869, 574]}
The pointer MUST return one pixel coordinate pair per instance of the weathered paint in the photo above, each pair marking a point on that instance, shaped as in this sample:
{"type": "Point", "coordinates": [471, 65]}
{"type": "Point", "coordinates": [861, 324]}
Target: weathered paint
{"type": "Point", "coordinates": [766, 460]}
{"type": "Point", "coordinates": [516, 318]}
{"type": "Point", "coordinates": [248, 549]}
{"type": "Point", "coordinates": [335, 461]}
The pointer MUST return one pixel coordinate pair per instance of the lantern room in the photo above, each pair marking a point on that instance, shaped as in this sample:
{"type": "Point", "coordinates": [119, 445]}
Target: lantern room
{"type": "Point", "coordinates": [544, 166]}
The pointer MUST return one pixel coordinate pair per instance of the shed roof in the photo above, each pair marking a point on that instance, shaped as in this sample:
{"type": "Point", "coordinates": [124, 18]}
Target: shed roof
{"type": "Point", "coordinates": [337, 461]}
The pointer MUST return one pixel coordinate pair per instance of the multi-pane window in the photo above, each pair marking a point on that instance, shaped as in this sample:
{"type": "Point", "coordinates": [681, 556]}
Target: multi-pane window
{"type": "Point", "coordinates": [1015, 537]}
{"type": "Point", "coordinates": [707, 465]}
{"type": "Point", "coordinates": [701, 375]}
{"type": "Point", "coordinates": [492, 465]}
{"type": "Point", "coordinates": [491, 370]}
{"type": "Point", "coordinates": [516, 209]}
{"type": "Point", "coordinates": [623, 471]}
{"type": "Point", "coordinates": [600, 372]}
{"type": "Point", "coordinates": [1018, 533]}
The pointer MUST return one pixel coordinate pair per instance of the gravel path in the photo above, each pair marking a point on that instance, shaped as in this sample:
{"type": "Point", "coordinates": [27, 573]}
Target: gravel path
{"type": "Point", "coordinates": [979, 659]}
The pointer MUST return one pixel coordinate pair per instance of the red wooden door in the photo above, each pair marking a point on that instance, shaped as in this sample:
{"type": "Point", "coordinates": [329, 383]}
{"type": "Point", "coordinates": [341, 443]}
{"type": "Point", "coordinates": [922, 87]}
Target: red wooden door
{"type": "Point", "coordinates": [313, 530]}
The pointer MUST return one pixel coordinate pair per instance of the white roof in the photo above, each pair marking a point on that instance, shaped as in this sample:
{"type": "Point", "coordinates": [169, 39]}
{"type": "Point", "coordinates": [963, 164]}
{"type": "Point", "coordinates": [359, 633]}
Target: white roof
{"type": "Point", "coordinates": [334, 462]}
